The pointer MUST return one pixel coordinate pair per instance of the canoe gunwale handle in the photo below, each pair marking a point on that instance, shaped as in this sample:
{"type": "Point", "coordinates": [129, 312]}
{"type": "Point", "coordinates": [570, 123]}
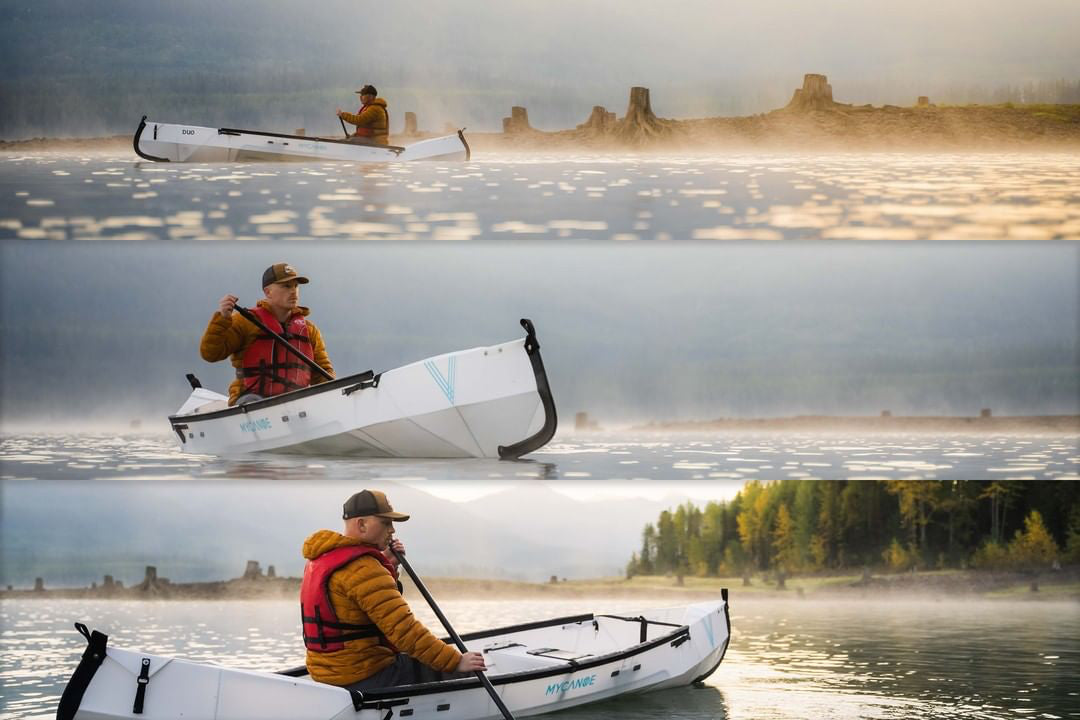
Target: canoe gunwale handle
{"type": "Point", "coordinates": [135, 142]}
{"type": "Point", "coordinates": [360, 704]}
{"type": "Point", "coordinates": [92, 657]}
{"type": "Point", "coordinates": [368, 380]}
{"type": "Point", "coordinates": [551, 420]}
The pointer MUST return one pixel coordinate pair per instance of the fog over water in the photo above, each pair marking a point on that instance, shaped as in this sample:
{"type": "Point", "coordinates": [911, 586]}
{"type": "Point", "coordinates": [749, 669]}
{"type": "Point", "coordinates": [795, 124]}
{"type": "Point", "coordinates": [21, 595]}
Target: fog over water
{"type": "Point", "coordinates": [278, 64]}
{"type": "Point", "coordinates": [105, 332]}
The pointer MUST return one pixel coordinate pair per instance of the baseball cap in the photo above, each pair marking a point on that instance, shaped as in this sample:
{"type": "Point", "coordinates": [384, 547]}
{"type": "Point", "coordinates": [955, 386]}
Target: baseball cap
{"type": "Point", "coordinates": [282, 272]}
{"type": "Point", "coordinates": [367, 90]}
{"type": "Point", "coordinates": [371, 502]}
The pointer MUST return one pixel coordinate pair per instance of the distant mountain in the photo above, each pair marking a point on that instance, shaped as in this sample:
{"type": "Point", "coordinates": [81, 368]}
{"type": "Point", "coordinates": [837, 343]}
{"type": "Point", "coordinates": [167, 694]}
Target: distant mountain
{"type": "Point", "coordinates": [208, 530]}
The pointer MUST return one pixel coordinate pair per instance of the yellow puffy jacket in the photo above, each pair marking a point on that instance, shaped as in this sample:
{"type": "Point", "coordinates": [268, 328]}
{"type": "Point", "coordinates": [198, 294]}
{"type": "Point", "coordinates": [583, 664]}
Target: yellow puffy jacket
{"type": "Point", "coordinates": [372, 122]}
{"type": "Point", "coordinates": [363, 592]}
{"type": "Point", "coordinates": [225, 337]}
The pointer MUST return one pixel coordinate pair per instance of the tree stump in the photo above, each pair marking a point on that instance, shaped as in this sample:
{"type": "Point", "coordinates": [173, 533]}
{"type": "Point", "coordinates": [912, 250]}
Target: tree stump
{"type": "Point", "coordinates": [517, 122]}
{"type": "Point", "coordinates": [600, 120]}
{"type": "Point", "coordinates": [252, 571]}
{"type": "Point", "coordinates": [924, 101]}
{"type": "Point", "coordinates": [410, 124]}
{"type": "Point", "coordinates": [640, 124]}
{"type": "Point", "coordinates": [298, 131]}
{"type": "Point", "coordinates": [39, 585]}
{"type": "Point", "coordinates": [815, 94]}
{"type": "Point", "coordinates": [271, 572]}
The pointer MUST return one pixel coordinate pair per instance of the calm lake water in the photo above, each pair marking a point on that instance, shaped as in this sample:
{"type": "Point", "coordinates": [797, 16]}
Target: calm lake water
{"type": "Point", "coordinates": [849, 659]}
{"type": "Point", "coordinates": [881, 196]}
{"type": "Point", "coordinates": [617, 455]}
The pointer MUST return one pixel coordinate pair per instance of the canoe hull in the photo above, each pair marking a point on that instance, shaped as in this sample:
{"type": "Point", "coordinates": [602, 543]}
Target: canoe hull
{"type": "Point", "coordinates": [535, 669]}
{"type": "Point", "coordinates": [487, 402]}
{"type": "Point", "coordinates": [169, 142]}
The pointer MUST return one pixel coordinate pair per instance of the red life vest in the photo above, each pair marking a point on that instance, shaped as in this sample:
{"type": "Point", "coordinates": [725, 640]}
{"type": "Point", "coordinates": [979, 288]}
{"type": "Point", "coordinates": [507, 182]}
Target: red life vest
{"type": "Point", "coordinates": [322, 631]}
{"type": "Point", "coordinates": [267, 367]}
{"type": "Point", "coordinates": [373, 132]}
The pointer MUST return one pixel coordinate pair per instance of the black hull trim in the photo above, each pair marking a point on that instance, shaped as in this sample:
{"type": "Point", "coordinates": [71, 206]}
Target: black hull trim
{"type": "Point", "coordinates": [405, 691]}
{"type": "Point", "coordinates": [84, 673]}
{"type": "Point", "coordinates": [140, 153]}
{"type": "Point", "coordinates": [727, 619]}
{"type": "Point", "coordinates": [551, 421]}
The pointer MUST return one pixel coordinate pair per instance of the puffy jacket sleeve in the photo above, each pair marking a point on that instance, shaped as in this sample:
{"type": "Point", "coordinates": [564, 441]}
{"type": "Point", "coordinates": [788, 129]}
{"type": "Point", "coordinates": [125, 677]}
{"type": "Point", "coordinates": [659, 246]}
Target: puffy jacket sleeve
{"type": "Point", "coordinates": [377, 593]}
{"type": "Point", "coordinates": [322, 359]}
{"type": "Point", "coordinates": [222, 338]}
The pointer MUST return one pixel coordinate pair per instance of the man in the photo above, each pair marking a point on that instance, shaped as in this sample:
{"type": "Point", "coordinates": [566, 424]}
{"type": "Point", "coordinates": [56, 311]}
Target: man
{"type": "Point", "coordinates": [372, 120]}
{"type": "Point", "coordinates": [358, 630]}
{"type": "Point", "coordinates": [264, 367]}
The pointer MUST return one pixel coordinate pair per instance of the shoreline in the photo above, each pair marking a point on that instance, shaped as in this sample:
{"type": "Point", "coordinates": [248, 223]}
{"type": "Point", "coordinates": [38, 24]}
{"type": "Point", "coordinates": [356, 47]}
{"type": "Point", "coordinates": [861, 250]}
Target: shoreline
{"type": "Point", "coordinates": [1066, 425]}
{"type": "Point", "coordinates": [1063, 584]}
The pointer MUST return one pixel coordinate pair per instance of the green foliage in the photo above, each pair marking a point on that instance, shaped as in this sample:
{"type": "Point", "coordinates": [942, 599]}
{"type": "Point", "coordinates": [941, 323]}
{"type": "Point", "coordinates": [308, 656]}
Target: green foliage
{"type": "Point", "coordinates": [809, 525]}
{"type": "Point", "coordinates": [1033, 548]}
{"type": "Point", "coordinates": [900, 559]}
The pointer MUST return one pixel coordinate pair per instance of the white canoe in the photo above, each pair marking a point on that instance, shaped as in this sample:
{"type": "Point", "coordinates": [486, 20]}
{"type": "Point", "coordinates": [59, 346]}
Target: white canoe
{"type": "Point", "coordinates": [167, 142]}
{"type": "Point", "coordinates": [535, 668]}
{"type": "Point", "coordinates": [487, 402]}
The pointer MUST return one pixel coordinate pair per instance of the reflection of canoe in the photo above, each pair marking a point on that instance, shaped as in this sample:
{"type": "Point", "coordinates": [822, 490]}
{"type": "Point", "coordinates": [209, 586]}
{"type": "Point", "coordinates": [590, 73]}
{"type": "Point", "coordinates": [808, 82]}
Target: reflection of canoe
{"type": "Point", "coordinates": [536, 668]}
{"type": "Point", "coordinates": [166, 142]}
{"type": "Point", "coordinates": [484, 402]}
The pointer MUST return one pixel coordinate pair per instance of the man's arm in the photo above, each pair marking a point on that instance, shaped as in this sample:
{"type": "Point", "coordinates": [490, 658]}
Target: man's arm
{"type": "Point", "coordinates": [322, 359]}
{"type": "Point", "coordinates": [223, 335]}
{"type": "Point", "coordinates": [376, 593]}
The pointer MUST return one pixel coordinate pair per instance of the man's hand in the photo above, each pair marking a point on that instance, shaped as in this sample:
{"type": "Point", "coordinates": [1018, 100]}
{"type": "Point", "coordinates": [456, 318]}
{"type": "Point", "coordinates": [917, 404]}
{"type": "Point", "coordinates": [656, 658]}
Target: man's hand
{"type": "Point", "coordinates": [339, 112]}
{"type": "Point", "coordinates": [225, 307]}
{"type": "Point", "coordinates": [398, 547]}
{"type": "Point", "coordinates": [471, 662]}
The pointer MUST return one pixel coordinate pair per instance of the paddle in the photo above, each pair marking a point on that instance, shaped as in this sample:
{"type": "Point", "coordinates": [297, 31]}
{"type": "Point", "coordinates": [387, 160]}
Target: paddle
{"type": "Point", "coordinates": [343, 128]}
{"type": "Point", "coordinates": [450, 631]}
{"type": "Point", "coordinates": [253, 318]}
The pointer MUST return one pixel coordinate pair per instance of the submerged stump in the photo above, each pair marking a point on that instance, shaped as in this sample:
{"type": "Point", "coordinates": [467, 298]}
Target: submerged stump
{"type": "Point", "coordinates": [410, 124]}
{"type": "Point", "coordinates": [640, 125]}
{"type": "Point", "coordinates": [517, 122]}
{"type": "Point", "coordinates": [815, 94]}
{"type": "Point", "coordinates": [600, 120]}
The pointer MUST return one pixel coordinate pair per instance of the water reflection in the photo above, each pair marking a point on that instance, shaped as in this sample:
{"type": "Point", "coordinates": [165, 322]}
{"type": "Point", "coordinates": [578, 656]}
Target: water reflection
{"type": "Point", "coordinates": [625, 456]}
{"type": "Point", "coordinates": [883, 196]}
{"type": "Point", "coordinates": [864, 659]}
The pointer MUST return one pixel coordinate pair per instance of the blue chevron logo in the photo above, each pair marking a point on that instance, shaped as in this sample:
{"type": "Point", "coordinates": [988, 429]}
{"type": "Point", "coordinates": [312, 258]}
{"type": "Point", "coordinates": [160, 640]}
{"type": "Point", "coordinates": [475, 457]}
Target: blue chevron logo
{"type": "Point", "coordinates": [445, 383]}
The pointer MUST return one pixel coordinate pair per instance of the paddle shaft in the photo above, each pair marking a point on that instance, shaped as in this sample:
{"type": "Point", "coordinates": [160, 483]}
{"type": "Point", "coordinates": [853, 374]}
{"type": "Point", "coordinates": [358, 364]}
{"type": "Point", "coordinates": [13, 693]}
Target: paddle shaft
{"type": "Point", "coordinates": [343, 128]}
{"type": "Point", "coordinates": [252, 317]}
{"type": "Point", "coordinates": [450, 631]}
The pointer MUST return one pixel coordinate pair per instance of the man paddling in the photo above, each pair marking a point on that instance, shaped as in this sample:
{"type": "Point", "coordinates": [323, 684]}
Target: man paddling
{"type": "Point", "coordinates": [372, 120]}
{"type": "Point", "coordinates": [264, 367]}
{"type": "Point", "coordinates": [358, 630]}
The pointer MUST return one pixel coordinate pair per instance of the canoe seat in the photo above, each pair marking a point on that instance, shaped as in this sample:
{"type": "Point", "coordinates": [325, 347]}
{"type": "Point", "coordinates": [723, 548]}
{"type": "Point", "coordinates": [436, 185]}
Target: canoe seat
{"type": "Point", "coordinates": [510, 658]}
{"type": "Point", "coordinates": [213, 406]}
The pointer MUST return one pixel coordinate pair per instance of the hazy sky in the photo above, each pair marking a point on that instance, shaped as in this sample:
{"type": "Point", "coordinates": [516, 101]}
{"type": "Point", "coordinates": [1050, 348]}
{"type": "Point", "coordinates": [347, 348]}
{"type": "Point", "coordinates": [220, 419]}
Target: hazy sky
{"type": "Point", "coordinates": [629, 332]}
{"type": "Point", "coordinates": [469, 61]}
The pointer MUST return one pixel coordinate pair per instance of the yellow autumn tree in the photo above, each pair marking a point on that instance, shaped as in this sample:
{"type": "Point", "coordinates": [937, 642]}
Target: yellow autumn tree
{"type": "Point", "coordinates": [1033, 547]}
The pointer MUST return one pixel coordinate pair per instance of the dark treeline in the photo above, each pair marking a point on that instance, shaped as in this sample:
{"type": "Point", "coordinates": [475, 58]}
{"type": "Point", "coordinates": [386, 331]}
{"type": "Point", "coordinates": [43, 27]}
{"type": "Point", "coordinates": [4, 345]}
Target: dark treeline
{"type": "Point", "coordinates": [810, 525]}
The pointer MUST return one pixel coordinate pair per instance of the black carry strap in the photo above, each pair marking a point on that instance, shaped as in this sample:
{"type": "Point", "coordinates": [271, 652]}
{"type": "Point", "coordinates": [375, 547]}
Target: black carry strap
{"type": "Point", "coordinates": [388, 705]}
{"type": "Point", "coordinates": [92, 658]}
{"type": "Point", "coordinates": [143, 680]}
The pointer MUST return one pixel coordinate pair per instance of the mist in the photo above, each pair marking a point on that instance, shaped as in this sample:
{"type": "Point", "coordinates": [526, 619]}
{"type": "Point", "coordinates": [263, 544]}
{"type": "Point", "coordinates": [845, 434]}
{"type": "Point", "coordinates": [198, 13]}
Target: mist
{"type": "Point", "coordinates": [94, 68]}
{"type": "Point", "coordinates": [105, 332]}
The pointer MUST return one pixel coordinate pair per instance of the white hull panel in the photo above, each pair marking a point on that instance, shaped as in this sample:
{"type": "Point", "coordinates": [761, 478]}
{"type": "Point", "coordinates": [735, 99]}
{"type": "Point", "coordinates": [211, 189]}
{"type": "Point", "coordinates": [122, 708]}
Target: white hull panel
{"type": "Point", "coordinates": [167, 142]}
{"type": "Point", "coordinates": [535, 669]}
{"type": "Point", "coordinates": [467, 404]}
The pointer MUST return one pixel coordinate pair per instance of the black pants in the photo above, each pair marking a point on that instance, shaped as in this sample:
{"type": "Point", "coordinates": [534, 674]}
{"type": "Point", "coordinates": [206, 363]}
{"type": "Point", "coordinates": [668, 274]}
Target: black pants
{"type": "Point", "coordinates": [404, 671]}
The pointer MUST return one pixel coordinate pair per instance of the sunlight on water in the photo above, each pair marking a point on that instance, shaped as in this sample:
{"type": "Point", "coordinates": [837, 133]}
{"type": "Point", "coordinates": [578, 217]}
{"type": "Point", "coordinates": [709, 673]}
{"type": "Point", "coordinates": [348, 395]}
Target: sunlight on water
{"type": "Point", "coordinates": [632, 457]}
{"type": "Point", "coordinates": [886, 196]}
{"type": "Point", "coordinates": [865, 659]}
